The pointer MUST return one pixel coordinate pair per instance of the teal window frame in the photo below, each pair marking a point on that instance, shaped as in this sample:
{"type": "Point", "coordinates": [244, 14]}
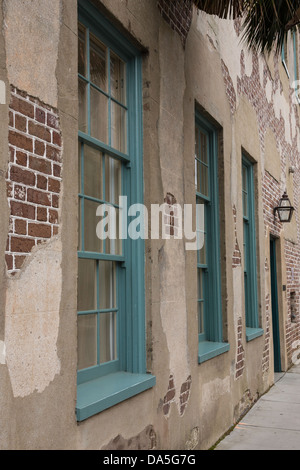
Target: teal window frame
{"type": "Point", "coordinates": [249, 247]}
{"type": "Point", "coordinates": [210, 340]}
{"type": "Point", "coordinates": [284, 52]}
{"type": "Point", "coordinates": [105, 385]}
{"type": "Point", "coordinates": [296, 65]}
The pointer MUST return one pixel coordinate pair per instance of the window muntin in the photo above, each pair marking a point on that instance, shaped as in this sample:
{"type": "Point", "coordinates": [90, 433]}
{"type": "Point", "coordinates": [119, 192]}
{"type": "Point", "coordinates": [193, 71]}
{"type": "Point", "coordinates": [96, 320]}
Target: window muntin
{"type": "Point", "coordinates": [249, 244]}
{"type": "Point", "coordinates": [284, 55]}
{"type": "Point", "coordinates": [120, 319]}
{"type": "Point", "coordinates": [208, 253]}
{"type": "Point", "coordinates": [103, 118]}
{"type": "Point", "coordinates": [102, 92]}
{"type": "Point", "coordinates": [202, 199]}
{"type": "Point", "coordinates": [296, 65]}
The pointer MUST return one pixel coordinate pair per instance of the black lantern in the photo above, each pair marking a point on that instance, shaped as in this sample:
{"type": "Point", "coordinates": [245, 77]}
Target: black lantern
{"type": "Point", "coordinates": [285, 209]}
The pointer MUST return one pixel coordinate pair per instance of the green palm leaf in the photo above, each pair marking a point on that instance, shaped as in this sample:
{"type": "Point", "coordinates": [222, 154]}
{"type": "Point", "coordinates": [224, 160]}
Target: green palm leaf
{"type": "Point", "coordinates": [222, 8]}
{"type": "Point", "coordinates": [265, 22]}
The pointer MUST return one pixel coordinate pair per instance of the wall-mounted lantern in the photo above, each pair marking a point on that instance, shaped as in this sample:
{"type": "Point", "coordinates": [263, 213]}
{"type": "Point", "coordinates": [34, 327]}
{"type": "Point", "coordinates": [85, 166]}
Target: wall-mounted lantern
{"type": "Point", "coordinates": [285, 209]}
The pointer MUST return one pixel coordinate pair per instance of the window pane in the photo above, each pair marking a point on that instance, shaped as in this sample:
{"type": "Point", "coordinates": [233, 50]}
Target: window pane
{"type": "Point", "coordinates": [118, 78]}
{"type": "Point", "coordinates": [108, 337]}
{"type": "Point", "coordinates": [245, 205]}
{"type": "Point", "coordinates": [200, 284]}
{"type": "Point", "coordinates": [82, 98]}
{"type": "Point", "coordinates": [201, 317]}
{"type": "Point", "coordinates": [112, 180]}
{"type": "Point", "coordinates": [204, 180]}
{"type": "Point", "coordinates": [87, 341]}
{"type": "Point", "coordinates": [118, 127]}
{"type": "Point", "coordinates": [80, 222]}
{"type": "Point", "coordinates": [196, 142]}
{"type": "Point", "coordinates": [201, 232]}
{"type": "Point", "coordinates": [99, 115]}
{"type": "Point", "coordinates": [98, 61]}
{"type": "Point", "coordinates": [86, 291]}
{"type": "Point", "coordinates": [79, 168]}
{"type": "Point", "coordinates": [202, 248]}
{"type": "Point", "coordinates": [244, 175]}
{"type": "Point", "coordinates": [203, 148]}
{"type": "Point", "coordinates": [91, 240]}
{"type": "Point", "coordinates": [245, 245]}
{"type": "Point", "coordinates": [82, 50]}
{"type": "Point", "coordinates": [197, 176]}
{"type": "Point", "coordinates": [107, 284]}
{"type": "Point", "coordinates": [93, 180]}
{"type": "Point", "coordinates": [113, 244]}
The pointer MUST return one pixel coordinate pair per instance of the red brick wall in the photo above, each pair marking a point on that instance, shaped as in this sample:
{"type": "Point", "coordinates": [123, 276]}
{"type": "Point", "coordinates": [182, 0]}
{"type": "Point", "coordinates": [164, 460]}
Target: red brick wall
{"type": "Point", "coordinates": [253, 88]}
{"type": "Point", "coordinates": [240, 353]}
{"type": "Point", "coordinates": [178, 14]}
{"type": "Point", "coordinates": [33, 177]}
{"type": "Point", "coordinates": [236, 257]}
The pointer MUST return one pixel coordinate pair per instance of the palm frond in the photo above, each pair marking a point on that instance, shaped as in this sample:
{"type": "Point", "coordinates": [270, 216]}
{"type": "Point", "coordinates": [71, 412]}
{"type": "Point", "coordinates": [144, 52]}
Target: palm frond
{"type": "Point", "coordinates": [265, 22]}
{"type": "Point", "coordinates": [221, 8]}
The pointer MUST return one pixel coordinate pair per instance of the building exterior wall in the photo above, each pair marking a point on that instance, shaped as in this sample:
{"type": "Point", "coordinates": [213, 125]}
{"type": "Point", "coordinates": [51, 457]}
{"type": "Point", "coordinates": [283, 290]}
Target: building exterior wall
{"type": "Point", "coordinates": [189, 61]}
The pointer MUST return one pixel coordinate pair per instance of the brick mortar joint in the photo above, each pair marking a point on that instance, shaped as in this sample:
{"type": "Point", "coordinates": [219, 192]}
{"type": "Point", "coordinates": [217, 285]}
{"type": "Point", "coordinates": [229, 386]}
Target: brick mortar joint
{"type": "Point", "coordinates": [32, 99]}
{"type": "Point", "coordinates": [33, 200]}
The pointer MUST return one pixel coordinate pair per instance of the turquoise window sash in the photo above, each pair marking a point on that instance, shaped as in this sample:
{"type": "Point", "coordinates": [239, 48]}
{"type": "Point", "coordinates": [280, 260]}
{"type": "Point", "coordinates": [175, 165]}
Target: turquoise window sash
{"type": "Point", "coordinates": [283, 59]}
{"type": "Point", "coordinates": [211, 342]}
{"type": "Point", "coordinates": [130, 270]}
{"type": "Point", "coordinates": [296, 71]}
{"type": "Point", "coordinates": [250, 265]}
{"type": "Point", "coordinates": [101, 387]}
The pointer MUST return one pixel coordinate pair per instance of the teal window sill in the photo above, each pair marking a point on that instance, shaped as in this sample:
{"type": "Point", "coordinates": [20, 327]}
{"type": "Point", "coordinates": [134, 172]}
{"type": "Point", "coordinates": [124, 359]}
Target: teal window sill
{"type": "Point", "coordinates": [252, 333]}
{"type": "Point", "coordinates": [99, 394]}
{"type": "Point", "coordinates": [209, 349]}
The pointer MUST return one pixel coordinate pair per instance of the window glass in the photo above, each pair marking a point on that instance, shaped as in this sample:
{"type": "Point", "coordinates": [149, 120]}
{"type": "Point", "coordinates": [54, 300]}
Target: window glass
{"type": "Point", "coordinates": [249, 245]}
{"type": "Point", "coordinates": [93, 178]}
{"type": "Point", "coordinates": [82, 50]}
{"type": "Point", "coordinates": [87, 341]}
{"type": "Point", "coordinates": [118, 78]}
{"type": "Point", "coordinates": [98, 61]}
{"type": "Point", "coordinates": [82, 98]}
{"type": "Point", "coordinates": [108, 337]}
{"type": "Point", "coordinates": [99, 115]}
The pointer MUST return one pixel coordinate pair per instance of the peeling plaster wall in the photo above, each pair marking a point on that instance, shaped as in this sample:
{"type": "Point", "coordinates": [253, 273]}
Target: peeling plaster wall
{"type": "Point", "coordinates": [32, 322]}
{"type": "Point", "coordinates": [37, 355]}
{"type": "Point", "coordinates": [173, 307]}
{"type": "Point", "coordinates": [31, 31]}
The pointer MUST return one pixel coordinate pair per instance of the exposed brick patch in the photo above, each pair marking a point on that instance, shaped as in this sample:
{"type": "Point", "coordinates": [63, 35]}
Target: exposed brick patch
{"type": "Point", "coordinates": [145, 440]}
{"type": "Point", "coordinates": [246, 402]}
{"type": "Point", "coordinates": [178, 14]}
{"type": "Point", "coordinates": [229, 87]}
{"type": "Point", "coordinates": [292, 256]}
{"type": "Point", "coordinates": [240, 358]}
{"type": "Point", "coordinates": [33, 179]}
{"type": "Point", "coordinates": [171, 216]}
{"type": "Point", "coordinates": [271, 196]}
{"type": "Point", "coordinates": [236, 258]}
{"type": "Point", "coordinates": [185, 394]}
{"type": "Point", "coordinates": [253, 88]}
{"type": "Point", "coordinates": [266, 352]}
{"type": "Point", "coordinates": [170, 396]}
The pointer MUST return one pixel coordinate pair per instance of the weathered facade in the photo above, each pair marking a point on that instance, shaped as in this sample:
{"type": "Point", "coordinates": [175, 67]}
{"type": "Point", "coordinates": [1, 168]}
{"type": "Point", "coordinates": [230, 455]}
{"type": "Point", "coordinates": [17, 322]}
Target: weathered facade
{"type": "Point", "coordinates": [194, 361]}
